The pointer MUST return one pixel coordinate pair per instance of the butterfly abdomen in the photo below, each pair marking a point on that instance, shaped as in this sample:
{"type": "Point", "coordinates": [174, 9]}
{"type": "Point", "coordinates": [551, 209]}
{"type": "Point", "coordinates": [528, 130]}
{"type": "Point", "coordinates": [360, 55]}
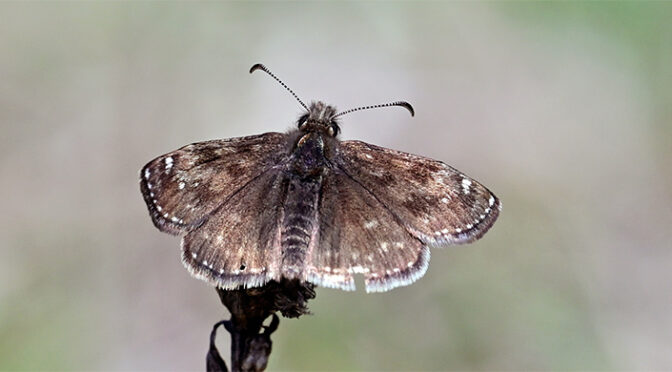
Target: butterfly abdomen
{"type": "Point", "coordinates": [299, 224]}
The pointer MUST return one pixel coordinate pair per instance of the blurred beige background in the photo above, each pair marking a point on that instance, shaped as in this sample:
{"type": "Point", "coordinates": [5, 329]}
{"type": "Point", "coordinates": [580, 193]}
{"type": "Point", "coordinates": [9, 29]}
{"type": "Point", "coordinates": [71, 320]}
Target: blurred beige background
{"type": "Point", "coordinates": [562, 109]}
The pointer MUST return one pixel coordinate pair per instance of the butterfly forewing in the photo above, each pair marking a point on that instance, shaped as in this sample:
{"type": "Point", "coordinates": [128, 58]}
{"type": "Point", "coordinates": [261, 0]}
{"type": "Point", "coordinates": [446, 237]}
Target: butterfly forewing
{"type": "Point", "coordinates": [360, 235]}
{"type": "Point", "coordinates": [183, 187]}
{"type": "Point", "coordinates": [434, 202]}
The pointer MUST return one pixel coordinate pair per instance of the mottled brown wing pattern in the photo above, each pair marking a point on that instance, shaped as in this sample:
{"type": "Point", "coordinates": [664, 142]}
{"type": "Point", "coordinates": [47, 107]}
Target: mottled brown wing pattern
{"type": "Point", "coordinates": [373, 211]}
{"type": "Point", "coordinates": [183, 187]}
{"type": "Point", "coordinates": [360, 235]}
{"type": "Point", "coordinates": [434, 202]}
{"type": "Point", "coordinates": [239, 245]}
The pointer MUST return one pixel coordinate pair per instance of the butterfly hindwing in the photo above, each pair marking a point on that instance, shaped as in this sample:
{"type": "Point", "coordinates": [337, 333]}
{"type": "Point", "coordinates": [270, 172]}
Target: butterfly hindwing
{"type": "Point", "coordinates": [239, 245]}
{"type": "Point", "coordinates": [434, 202]}
{"type": "Point", "coordinates": [183, 187]}
{"type": "Point", "coordinates": [360, 235]}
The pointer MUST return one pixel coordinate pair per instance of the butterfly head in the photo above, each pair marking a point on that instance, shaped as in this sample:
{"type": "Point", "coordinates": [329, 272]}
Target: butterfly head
{"type": "Point", "coordinates": [319, 118]}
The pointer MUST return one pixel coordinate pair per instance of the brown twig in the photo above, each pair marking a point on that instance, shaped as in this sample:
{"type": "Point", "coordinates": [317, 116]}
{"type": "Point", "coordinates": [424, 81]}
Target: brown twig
{"type": "Point", "coordinates": [250, 339]}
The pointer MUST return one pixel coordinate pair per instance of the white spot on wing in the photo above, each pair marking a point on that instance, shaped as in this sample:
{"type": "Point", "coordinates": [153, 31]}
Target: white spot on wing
{"type": "Point", "coordinates": [370, 224]}
{"type": "Point", "coordinates": [491, 201]}
{"type": "Point", "coordinates": [445, 200]}
{"type": "Point", "coordinates": [466, 183]}
{"type": "Point", "coordinates": [147, 173]}
{"type": "Point", "coordinates": [368, 156]}
{"type": "Point", "coordinates": [181, 185]}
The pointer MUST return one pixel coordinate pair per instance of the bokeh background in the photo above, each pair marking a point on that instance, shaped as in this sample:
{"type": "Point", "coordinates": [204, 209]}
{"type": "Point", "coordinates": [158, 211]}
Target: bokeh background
{"type": "Point", "coordinates": [563, 109]}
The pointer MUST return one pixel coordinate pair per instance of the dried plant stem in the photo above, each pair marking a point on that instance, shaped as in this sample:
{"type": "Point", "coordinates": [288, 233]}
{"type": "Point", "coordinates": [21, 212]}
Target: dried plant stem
{"type": "Point", "coordinates": [250, 339]}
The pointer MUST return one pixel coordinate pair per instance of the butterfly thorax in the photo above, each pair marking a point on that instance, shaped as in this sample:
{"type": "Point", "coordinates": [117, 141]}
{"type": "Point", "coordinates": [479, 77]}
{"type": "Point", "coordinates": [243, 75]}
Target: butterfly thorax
{"type": "Point", "coordinates": [309, 157]}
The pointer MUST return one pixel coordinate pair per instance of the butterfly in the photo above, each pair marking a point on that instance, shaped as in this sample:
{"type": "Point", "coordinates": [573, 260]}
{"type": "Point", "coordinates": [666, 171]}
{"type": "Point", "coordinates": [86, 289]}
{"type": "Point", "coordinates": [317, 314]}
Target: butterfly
{"type": "Point", "coordinates": [305, 205]}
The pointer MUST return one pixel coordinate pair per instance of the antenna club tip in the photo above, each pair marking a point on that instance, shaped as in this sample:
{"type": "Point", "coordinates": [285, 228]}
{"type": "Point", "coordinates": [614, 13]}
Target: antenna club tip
{"type": "Point", "coordinates": [256, 67]}
{"type": "Point", "coordinates": [408, 107]}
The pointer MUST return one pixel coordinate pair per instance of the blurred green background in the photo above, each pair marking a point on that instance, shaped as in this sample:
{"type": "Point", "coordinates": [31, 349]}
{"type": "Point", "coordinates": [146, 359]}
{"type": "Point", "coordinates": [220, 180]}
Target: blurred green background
{"type": "Point", "coordinates": [564, 110]}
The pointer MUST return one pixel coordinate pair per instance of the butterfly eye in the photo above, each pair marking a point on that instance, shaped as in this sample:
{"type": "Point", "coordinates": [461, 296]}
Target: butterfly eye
{"type": "Point", "coordinates": [302, 121]}
{"type": "Point", "coordinates": [333, 129]}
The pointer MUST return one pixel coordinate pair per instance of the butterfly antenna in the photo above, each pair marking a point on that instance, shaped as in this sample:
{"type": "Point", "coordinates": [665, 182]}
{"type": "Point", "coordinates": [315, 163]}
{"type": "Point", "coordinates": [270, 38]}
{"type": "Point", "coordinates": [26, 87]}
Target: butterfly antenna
{"type": "Point", "coordinates": [263, 68]}
{"type": "Point", "coordinates": [403, 104]}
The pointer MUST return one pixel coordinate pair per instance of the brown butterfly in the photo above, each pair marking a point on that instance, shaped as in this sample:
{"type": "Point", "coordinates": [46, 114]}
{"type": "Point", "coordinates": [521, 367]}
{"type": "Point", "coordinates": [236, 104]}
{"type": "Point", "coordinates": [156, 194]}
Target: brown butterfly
{"type": "Point", "coordinates": [305, 205]}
